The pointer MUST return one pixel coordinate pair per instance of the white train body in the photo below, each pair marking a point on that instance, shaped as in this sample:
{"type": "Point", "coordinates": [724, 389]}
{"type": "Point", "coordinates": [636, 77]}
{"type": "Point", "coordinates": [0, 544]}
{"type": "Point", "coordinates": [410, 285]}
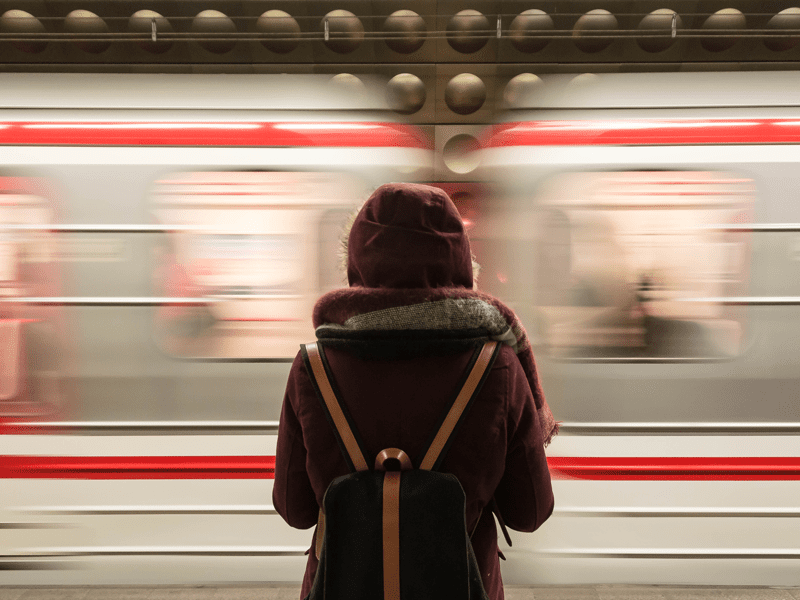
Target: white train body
{"type": "Point", "coordinates": [163, 240]}
{"type": "Point", "coordinates": [653, 230]}
{"type": "Point", "coordinates": [163, 243]}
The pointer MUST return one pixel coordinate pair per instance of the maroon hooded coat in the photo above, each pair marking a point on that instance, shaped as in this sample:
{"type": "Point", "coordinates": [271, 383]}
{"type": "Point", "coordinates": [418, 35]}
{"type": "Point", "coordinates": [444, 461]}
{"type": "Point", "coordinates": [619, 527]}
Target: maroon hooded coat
{"type": "Point", "coordinates": [397, 369]}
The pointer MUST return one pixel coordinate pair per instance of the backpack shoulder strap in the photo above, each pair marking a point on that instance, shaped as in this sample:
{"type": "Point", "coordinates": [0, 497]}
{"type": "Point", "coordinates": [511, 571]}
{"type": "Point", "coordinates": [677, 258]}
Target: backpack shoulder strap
{"type": "Point", "coordinates": [342, 424]}
{"type": "Point", "coordinates": [478, 371]}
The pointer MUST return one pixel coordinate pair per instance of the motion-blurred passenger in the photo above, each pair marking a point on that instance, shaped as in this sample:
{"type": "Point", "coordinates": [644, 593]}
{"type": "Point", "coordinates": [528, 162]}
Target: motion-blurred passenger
{"type": "Point", "coordinates": [671, 337]}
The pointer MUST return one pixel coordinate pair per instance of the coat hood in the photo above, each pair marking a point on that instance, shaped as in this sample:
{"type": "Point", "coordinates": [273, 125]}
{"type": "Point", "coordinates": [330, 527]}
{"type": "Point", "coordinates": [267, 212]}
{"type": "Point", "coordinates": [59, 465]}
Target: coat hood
{"type": "Point", "coordinates": [408, 236]}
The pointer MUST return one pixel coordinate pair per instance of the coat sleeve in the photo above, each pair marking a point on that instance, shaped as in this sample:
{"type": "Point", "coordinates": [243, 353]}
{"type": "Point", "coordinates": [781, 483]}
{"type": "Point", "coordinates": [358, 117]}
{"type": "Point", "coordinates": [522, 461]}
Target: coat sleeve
{"type": "Point", "coordinates": [292, 494]}
{"type": "Point", "coordinates": [524, 494]}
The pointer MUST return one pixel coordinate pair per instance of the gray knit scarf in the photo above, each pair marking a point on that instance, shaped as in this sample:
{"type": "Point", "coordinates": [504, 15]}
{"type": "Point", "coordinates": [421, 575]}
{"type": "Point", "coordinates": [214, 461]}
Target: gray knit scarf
{"type": "Point", "coordinates": [455, 313]}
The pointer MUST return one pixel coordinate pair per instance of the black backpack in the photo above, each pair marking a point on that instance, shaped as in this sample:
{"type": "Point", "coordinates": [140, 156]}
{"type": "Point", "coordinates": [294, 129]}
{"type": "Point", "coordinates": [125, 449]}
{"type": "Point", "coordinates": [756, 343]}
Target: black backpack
{"type": "Point", "coordinates": [395, 532]}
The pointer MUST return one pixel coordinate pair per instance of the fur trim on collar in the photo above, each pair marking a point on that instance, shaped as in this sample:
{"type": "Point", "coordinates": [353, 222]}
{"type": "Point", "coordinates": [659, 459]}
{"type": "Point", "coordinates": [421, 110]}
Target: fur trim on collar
{"type": "Point", "coordinates": [394, 322]}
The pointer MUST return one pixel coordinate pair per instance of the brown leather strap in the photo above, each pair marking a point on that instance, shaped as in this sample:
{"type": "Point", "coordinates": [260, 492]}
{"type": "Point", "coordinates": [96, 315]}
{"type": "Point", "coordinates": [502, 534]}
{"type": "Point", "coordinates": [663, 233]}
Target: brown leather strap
{"type": "Point", "coordinates": [459, 405]}
{"type": "Point", "coordinates": [391, 535]}
{"type": "Point", "coordinates": [339, 420]}
{"type": "Point", "coordinates": [391, 519]}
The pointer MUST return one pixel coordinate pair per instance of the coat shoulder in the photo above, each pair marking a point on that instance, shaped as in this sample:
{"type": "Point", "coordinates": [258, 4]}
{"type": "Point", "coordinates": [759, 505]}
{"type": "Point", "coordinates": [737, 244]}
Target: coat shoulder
{"type": "Point", "coordinates": [507, 359]}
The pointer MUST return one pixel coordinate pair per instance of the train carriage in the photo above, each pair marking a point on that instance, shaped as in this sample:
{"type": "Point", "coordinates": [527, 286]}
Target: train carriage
{"type": "Point", "coordinates": [175, 233]}
{"type": "Point", "coordinates": [646, 227]}
{"type": "Point", "coordinates": [165, 238]}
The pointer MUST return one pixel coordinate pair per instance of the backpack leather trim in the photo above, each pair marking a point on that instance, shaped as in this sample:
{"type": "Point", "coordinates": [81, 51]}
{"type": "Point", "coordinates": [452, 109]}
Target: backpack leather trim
{"type": "Point", "coordinates": [391, 519]}
{"type": "Point", "coordinates": [465, 395]}
{"type": "Point", "coordinates": [391, 535]}
{"type": "Point", "coordinates": [335, 411]}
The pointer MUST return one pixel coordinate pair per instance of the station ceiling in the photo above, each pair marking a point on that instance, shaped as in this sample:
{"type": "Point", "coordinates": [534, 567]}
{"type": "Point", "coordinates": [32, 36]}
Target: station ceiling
{"type": "Point", "coordinates": [443, 62]}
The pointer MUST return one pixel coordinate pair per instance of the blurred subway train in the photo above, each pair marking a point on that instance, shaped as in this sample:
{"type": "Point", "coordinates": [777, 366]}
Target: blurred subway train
{"type": "Point", "coordinates": [646, 227]}
{"type": "Point", "coordinates": [163, 240]}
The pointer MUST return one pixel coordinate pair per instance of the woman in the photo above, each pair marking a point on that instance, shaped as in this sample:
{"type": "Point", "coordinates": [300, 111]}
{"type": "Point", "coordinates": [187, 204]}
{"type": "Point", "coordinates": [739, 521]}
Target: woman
{"type": "Point", "coordinates": [398, 341]}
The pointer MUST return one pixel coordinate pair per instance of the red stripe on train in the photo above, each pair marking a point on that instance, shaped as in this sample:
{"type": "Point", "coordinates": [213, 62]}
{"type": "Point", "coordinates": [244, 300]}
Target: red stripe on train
{"type": "Point", "coordinates": [137, 467]}
{"type": "Point", "coordinates": [656, 132]}
{"type": "Point", "coordinates": [263, 467]}
{"type": "Point", "coordinates": [676, 468]}
{"type": "Point", "coordinates": [247, 134]}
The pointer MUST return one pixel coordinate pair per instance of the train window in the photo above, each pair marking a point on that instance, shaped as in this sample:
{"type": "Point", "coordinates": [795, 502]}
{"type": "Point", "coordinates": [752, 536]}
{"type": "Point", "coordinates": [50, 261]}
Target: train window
{"type": "Point", "coordinates": [243, 259]}
{"type": "Point", "coordinates": [632, 264]}
{"type": "Point", "coordinates": [31, 335]}
{"type": "Point", "coordinates": [243, 264]}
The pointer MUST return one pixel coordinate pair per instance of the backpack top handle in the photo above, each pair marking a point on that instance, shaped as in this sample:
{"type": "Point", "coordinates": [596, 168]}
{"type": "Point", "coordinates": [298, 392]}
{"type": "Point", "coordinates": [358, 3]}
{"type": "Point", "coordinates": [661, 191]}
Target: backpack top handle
{"type": "Point", "coordinates": [395, 455]}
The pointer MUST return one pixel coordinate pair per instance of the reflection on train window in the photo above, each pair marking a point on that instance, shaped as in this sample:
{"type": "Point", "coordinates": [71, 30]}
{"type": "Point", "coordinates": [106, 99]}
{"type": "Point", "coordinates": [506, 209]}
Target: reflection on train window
{"type": "Point", "coordinates": [32, 353]}
{"type": "Point", "coordinates": [243, 259]}
{"type": "Point", "coordinates": [246, 264]}
{"type": "Point", "coordinates": [632, 264]}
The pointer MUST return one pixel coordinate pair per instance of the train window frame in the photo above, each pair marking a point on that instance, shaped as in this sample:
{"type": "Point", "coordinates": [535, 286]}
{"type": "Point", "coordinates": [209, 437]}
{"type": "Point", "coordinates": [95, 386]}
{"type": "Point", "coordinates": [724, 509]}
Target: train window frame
{"type": "Point", "coordinates": [743, 216]}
